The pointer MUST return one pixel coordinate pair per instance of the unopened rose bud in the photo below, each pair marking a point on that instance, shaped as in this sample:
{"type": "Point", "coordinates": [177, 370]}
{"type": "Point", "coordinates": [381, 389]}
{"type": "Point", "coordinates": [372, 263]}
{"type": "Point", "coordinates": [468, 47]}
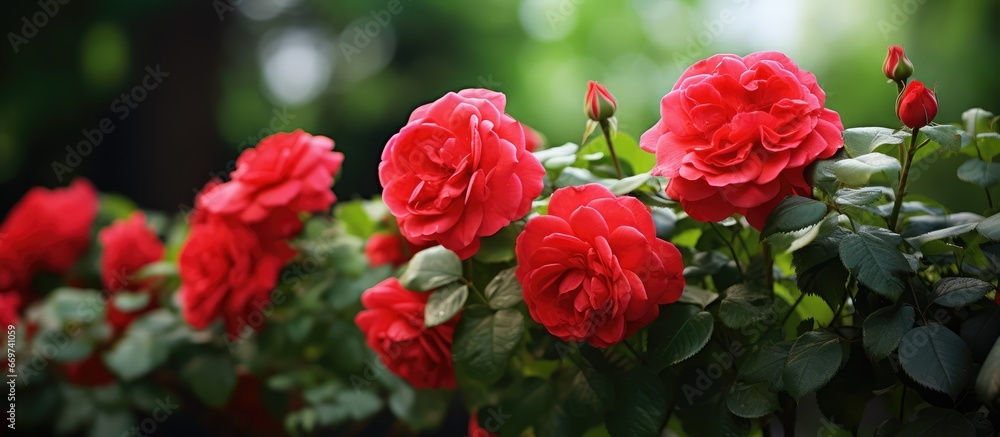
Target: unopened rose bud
{"type": "Point", "coordinates": [897, 66]}
{"type": "Point", "coordinates": [600, 105]}
{"type": "Point", "coordinates": [917, 105]}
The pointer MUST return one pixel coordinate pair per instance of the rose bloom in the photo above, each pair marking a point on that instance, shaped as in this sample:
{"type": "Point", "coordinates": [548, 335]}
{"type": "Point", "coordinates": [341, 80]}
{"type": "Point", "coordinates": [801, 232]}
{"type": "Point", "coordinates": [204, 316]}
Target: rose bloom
{"type": "Point", "coordinates": [46, 230]}
{"type": "Point", "coordinates": [129, 245]}
{"type": "Point", "coordinates": [292, 171]}
{"type": "Point", "coordinates": [228, 271]}
{"type": "Point", "coordinates": [736, 135]}
{"type": "Point", "coordinates": [477, 431]}
{"type": "Point", "coordinates": [386, 248]}
{"type": "Point", "coordinates": [393, 323]}
{"type": "Point", "coordinates": [593, 268]}
{"type": "Point", "coordinates": [459, 171]}
{"type": "Point", "coordinates": [89, 372]}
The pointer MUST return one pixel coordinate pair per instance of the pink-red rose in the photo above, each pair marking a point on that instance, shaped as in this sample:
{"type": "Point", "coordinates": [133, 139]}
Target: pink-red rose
{"type": "Point", "coordinates": [227, 270]}
{"type": "Point", "coordinates": [129, 245]}
{"type": "Point", "coordinates": [917, 105]}
{"type": "Point", "coordinates": [459, 171]}
{"type": "Point", "coordinates": [736, 135]}
{"type": "Point", "coordinates": [286, 171]}
{"type": "Point", "coordinates": [593, 268]}
{"type": "Point", "coordinates": [393, 323]}
{"type": "Point", "coordinates": [897, 66]}
{"type": "Point", "coordinates": [47, 230]}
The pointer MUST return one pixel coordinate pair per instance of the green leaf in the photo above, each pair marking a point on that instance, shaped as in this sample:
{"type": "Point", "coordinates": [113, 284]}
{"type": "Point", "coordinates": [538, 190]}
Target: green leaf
{"type": "Point", "coordinates": [359, 403]}
{"type": "Point", "coordinates": [766, 364]}
{"type": "Point", "coordinates": [981, 330]}
{"type": "Point", "coordinates": [976, 120]}
{"type": "Point", "coordinates": [114, 422]}
{"type": "Point", "coordinates": [742, 306]}
{"type": "Point", "coordinates": [990, 227]}
{"type": "Point", "coordinates": [813, 360]}
{"type": "Point", "coordinates": [959, 292]}
{"type": "Point", "coordinates": [136, 354]}
{"type": "Point", "coordinates": [677, 334]}
{"type": "Point", "coordinates": [872, 257]}
{"type": "Point", "coordinates": [936, 422]}
{"type": "Point", "coordinates": [630, 184]}
{"type": "Point", "coordinates": [936, 358]}
{"type": "Point", "coordinates": [355, 218]}
{"type": "Point", "coordinates": [591, 394]}
{"type": "Point", "coordinates": [988, 382]}
{"type": "Point", "coordinates": [504, 290]}
{"type": "Point", "coordinates": [641, 405]}
{"type": "Point", "coordinates": [431, 268]}
{"type": "Point", "coordinates": [951, 138]}
{"type": "Point", "coordinates": [940, 234]}
{"type": "Point", "coordinates": [159, 268]}
{"type": "Point", "coordinates": [792, 214]}
{"type": "Point", "coordinates": [697, 296]}
{"type": "Point", "coordinates": [484, 342]}
{"type": "Point", "coordinates": [444, 303]}
{"type": "Point", "coordinates": [860, 141]}
{"type": "Point", "coordinates": [420, 409]}
{"type": "Point", "coordinates": [130, 302]}
{"type": "Point", "coordinates": [212, 378]}
{"type": "Point", "coordinates": [883, 329]}
{"type": "Point", "coordinates": [499, 247]}
{"type": "Point", "coordinates": [859, 197]}
{"type": "Point", "coordinates": [987, 146]}
{"type": "Point", "coordinates": [858, 171]}
{"type": "Point", "coordinates": [977, 172]}
{"type": "Point", "coordinates": [752, 400]}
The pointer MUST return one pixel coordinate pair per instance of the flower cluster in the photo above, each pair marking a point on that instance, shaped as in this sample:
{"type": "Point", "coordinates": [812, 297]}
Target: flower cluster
{"type": "Point", "coordinates": [129, 245]}
{"type": "Point", "coordinates": [239, 229]}
{"type": "Point", "coordinates": [47, 230]}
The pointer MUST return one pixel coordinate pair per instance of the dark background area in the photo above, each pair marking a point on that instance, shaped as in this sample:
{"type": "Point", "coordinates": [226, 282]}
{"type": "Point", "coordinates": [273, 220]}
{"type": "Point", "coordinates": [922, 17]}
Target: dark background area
{"type": "Point", "coordinates": [341, 69]}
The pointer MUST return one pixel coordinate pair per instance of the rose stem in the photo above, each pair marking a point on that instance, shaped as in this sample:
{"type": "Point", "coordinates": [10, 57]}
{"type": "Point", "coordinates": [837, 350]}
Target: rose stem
{"type": "Point", "coordinates": [606, 128]}
{"type": "Point", "coordinates": [894, 216]}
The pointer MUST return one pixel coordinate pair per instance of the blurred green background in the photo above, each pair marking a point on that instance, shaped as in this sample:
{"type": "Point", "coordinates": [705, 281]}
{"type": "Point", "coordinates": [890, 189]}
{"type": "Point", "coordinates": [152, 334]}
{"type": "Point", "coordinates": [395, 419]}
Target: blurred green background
{"type": "Point", "coordinates": [238, 70]}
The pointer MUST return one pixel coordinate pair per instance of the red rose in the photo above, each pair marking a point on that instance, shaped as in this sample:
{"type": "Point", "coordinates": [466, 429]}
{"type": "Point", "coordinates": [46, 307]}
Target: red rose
{"type": "Point", "coordinates": [599, 104]}
{"type": "Point", "coordinates": [533, 140]}
{"type": "Point", "coordinates": [46, 230]}
{"type": "Point", "coordinates": [292, 171]}
{"type": "Point", "coordinates": [593, 268]}
{"type": "Point", "coordinates": [736, 135]}
{"type": "Point", "coordinates": [393, 323]}
{"type": "Point", "coordinates": [227, 270]}
{"type": "Point", "coordinates": [10, 303]}
{"type": "Point", "coordinates": [385, 248]}
{"type": "Point", "coordinates": [477, 431]}
{"type": "Point", "coordinates": [128, 247]}
{"type": "Point", "coordinates": [459, 171]}
{"type": "Point", "coordinates": [917, 105]}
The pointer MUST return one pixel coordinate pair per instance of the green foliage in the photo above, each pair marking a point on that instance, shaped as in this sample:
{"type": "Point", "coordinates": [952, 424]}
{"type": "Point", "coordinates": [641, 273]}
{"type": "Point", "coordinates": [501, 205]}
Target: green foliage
{"type": "Point", "coordinates": [792, 214]}
{"type": "Point", "coordinates": [485, 341]}
{"type": "Point", "coordinates": [743, 306]}
{"type": "Point", "coordinates": [431, 268]}
{"type": "Point", "coordinates": [812, 361]}
{"type": "Point", "coordinates": [679, 333]}
{"type": "Point", "coordinates": [641, 405]}
{"type": "Point", "coordinates": [884, 328]}
{"type": "Point", "coordinates": [872, 256]}
{"type": "Point", "coordinates": [936, 358]}
{"type": "Point", "coordinates": [444, 303]}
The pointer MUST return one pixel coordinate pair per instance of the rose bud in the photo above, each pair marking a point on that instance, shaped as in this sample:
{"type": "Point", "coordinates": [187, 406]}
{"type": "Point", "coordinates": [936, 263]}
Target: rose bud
{"type": "Point", "coordinates": [917, 105]}
{"type": "Point", "coordinates": [600, 105]}
{"type": "Point", "coordinates": [897, 66]}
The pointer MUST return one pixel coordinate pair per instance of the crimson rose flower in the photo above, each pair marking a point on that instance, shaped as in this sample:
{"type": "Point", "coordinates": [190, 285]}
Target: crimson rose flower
{"type": "Point", "coordinates": [593, 268]}
{"type": "Point", "coordinates": [46, 230]}
{"type": "Point", "coordinates": [736, 135]}
{"type": "Point", "coordinates": [227, 270]}
{"type": "Point", "coordinates": [291, 171]}
{"type": "Point", "coordinates": [129, 245]}
{"type": "Point", "coordinates": [393, 323]}
{"type": "Point", "coordinates": [459, 171]}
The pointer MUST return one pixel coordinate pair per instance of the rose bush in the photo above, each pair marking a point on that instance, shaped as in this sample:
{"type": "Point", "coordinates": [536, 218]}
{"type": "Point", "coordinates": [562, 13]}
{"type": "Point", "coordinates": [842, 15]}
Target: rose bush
{"type": "Point", "coordinates": [736, 135]}
{"type": "Point", "coordinates": [572, 290]}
